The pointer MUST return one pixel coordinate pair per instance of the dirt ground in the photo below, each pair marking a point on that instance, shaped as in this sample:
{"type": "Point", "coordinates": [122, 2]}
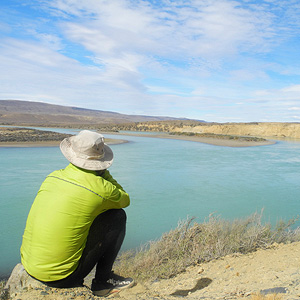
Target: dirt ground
{"type": "Point", "coordinates": [274, 270]}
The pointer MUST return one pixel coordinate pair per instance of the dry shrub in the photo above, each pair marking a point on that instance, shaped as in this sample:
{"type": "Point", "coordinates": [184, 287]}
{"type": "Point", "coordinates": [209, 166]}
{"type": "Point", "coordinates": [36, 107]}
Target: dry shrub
{"type": "Point", "coordinates": [3, 292]}
{"type": "Point", "coordinates": [192, 243]}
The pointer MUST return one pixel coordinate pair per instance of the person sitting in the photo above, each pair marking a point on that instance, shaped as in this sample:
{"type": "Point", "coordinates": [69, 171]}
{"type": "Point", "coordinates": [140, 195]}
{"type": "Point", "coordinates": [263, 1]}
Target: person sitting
{"type": "Point", "coordinates": [77, 220]}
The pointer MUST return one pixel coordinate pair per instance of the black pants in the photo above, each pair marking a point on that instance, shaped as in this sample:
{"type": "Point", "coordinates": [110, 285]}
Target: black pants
{"type": "Point", "coordinates": [104, 241]}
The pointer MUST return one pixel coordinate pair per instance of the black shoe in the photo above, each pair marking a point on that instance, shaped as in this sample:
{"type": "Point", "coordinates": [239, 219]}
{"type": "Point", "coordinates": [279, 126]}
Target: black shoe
{"type": "Point", "coordinates": [113, 285]}
{"type": "Point", "coordinates": [102, 289]}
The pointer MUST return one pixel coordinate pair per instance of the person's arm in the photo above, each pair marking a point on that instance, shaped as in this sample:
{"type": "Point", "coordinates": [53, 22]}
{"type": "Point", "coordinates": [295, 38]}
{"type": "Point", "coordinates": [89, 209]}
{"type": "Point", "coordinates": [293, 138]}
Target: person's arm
{"type": "Point", "coordinates": [116, 194]}
{"type": "Point", "coordinates": [106, 175]}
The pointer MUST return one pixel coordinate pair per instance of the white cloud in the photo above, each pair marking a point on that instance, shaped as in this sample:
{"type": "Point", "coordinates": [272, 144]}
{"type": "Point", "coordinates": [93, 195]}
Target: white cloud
{"type": "Point", "coordinates": [291, 92]}
{"type": "Point", "coordinates": [31, 53]}
{"type": "Point", "coordinates": [292, 89]}
{"type": "Point", "coordinates": [182, 58]}
{"type": "Point", "coordinates": [209, 29]}
{"type": "Point", "coordinates": [248, 74]}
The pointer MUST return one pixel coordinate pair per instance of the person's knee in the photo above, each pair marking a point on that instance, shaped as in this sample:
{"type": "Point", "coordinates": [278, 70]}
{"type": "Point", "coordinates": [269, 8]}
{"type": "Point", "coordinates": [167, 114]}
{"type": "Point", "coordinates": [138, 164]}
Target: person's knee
{"type": "Point", "coordinates": [112, 216]}
{"type": "Point", "coordinates": [119, 215]}
{"type": "Point", "coordinates": [110, 220]}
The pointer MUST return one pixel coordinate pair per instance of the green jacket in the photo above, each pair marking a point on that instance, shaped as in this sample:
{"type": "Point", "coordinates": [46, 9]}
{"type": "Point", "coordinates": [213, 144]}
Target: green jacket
{"type": "Point", "coordinates": [60, 217]}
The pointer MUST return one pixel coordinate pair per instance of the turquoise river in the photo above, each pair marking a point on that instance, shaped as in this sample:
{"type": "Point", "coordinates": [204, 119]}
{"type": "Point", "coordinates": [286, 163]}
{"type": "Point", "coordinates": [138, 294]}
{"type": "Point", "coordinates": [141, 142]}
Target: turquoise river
{"type": "Point", "coordinates": [168, 181]}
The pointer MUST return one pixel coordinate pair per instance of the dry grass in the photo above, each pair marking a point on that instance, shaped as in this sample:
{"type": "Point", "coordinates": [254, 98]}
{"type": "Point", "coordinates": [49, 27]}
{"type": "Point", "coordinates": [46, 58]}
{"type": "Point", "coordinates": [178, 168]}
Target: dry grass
{"type": "Point", "coordinates": [3, 293]}
{"type": "Point", "coordinates": [193, 243]}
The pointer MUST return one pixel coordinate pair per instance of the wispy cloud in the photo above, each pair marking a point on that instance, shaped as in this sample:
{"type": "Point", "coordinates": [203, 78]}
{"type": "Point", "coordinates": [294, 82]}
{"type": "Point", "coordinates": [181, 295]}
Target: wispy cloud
{"type": "Point", "coordinates": [214, 60]}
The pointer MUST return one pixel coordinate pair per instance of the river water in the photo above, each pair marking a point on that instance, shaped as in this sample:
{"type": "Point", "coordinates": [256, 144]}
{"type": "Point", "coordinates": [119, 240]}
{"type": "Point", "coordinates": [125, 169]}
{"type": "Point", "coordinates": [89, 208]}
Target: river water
{"type": "Point", "coordinates": [168, 181]}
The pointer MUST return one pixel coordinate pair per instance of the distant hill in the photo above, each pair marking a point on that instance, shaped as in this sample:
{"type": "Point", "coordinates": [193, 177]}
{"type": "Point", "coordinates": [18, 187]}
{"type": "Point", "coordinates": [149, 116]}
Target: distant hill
{"type": "Point", "coordinates": [16, 112]}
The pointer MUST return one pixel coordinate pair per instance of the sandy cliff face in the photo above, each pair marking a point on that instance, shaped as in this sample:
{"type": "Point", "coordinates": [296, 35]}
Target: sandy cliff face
{"type": "Point", "coordinates": [278, 130]}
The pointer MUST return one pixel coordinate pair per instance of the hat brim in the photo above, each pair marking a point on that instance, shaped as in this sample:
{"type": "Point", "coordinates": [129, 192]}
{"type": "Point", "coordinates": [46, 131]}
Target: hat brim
{"type": "Point", "coordinates": [88, 164]}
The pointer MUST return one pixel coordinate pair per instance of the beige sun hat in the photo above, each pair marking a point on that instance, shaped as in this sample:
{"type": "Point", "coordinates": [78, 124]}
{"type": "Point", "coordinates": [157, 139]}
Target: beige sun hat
{"type": "Point", "coordinates": [87, 150]}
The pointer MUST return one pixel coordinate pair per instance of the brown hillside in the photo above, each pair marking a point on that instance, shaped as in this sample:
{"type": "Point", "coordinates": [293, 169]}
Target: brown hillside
{"type": "Point", "coordinates": [15, 112]}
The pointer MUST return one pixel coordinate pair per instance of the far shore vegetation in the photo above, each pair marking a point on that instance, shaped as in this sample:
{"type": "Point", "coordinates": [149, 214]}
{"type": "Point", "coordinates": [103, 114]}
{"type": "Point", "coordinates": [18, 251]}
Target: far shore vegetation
{"type": "Point", "coordinates": [22, 134]}
{"type": "Point", "coordinates": [19, 134]}
{"type": "Point", "coordinates": [220, 136]}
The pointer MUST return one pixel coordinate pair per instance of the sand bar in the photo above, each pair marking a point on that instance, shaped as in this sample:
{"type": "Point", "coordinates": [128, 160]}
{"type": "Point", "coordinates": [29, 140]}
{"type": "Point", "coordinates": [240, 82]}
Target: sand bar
{"type": "Point", "coordinates": [205, 140]}
{"type": "Point", "coordinates": [49, 143]}
{"type": "Point", "coordinates": [211, 141]}
{"type": "Point", "coordinates": [30, 137]}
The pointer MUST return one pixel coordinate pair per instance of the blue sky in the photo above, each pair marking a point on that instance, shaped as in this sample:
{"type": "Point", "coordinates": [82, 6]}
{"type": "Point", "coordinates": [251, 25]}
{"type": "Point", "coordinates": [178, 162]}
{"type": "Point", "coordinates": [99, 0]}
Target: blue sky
{"type": "Point", "coordinates": [213, 60]}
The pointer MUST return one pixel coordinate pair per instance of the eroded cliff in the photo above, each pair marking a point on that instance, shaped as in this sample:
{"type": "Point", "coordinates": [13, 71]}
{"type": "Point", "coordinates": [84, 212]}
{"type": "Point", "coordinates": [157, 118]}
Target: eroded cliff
{"type": "Point", "coordinates": [276, 130]}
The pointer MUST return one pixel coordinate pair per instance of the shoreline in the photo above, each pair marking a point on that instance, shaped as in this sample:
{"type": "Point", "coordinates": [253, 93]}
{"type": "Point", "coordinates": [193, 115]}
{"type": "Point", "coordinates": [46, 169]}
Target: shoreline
{"type": "Point", "coordinates": [204, 140]}
{"type": "Point", "coordinates": [270, 273]}
{"type": "Point", "coordinates": [48, 144]}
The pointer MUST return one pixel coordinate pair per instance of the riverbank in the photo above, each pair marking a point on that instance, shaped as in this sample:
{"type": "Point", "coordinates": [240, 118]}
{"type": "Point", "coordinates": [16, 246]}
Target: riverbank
{"type": "Point", "coordinates": [50, 143]}
{"type": "Point", "coordinates": [276, 130]}
{"type": "Point", "coordinates": [30, 137]}
{"type": "Point", "coordinates": [215, 259]}
{"type": "Point", "coordinates": [27, 138]}
{"type": "Point", "coordinates": [217, 141]}
{"type": "Point", "coordinates": [236, 276]}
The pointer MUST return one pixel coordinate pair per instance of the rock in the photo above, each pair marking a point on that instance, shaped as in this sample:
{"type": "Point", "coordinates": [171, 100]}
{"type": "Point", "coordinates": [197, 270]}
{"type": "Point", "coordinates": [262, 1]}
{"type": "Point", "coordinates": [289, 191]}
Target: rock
{"type": "Point", "coordinates": [276, 290]}
{"type": "Point", "coordinates": [19, 281]}
{"type": "Point", "coordinates": [44, 293]}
